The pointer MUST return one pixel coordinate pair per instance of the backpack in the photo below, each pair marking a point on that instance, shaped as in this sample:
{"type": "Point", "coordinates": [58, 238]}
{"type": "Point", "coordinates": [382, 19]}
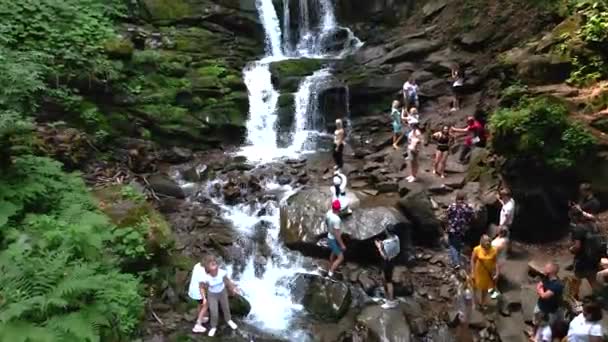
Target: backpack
{"type": "Point", "coordinates": [595, 246]}
{"type": "Point", "coordinates": [391, 246]}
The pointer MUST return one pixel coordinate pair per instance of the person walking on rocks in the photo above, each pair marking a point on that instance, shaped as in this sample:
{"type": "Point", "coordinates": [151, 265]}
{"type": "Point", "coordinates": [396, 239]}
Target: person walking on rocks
{"type": "Point", "coordinates": [217, 284]}
{"type": "Point", "coordinates": [476, 137]}
{"type": "Point", "coordinates": [334, 237]}
{"type": "Point", "coordinates": [196, 291]}
{"type": "Point", "coordinates": [484, 271]}
{"type": "Point", "coordinates": [389, 248]}
{"type": "Point", "coordinates": [587, 204]}
{"type": "Point", "coordinates": [413, 148]}
{"type": "Point", "coordinates": [457, 88]}
{"type": "Point", "coordinates": [410, 94]}
{"type": "Point", "coordinates": [396, 123]}
{"type": "Point", "coordinates": [443, 139]}
{"type": "Point", "coordinates": [460, 214]}
{"type": "Point", "coordinates": [501, 243]}
{"type": "Point", "coordinates": [338, 151]}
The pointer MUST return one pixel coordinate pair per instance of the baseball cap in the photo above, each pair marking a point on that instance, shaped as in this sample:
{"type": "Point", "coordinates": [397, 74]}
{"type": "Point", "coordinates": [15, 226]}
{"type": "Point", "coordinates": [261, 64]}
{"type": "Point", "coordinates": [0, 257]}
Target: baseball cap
{"type": "Point", "coordinates": [335, 205]}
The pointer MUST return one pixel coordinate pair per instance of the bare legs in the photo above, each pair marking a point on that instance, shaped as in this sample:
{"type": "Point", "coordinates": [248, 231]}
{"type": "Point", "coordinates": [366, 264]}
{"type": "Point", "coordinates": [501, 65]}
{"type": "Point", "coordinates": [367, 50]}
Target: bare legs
{"type": "Point", "coordinates": [335, 261]}
{"type": "Point", "coordinates": [441, 157]}
{"type": "Point", "coordinates": [413, 165]}
{"type": "Point", "coordinates": [396, 139]}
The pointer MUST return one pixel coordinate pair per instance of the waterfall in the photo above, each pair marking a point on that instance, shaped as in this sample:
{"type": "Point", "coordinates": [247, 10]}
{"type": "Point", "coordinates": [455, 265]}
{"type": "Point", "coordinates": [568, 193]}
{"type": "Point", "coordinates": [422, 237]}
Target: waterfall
{"type": "Point", "coordinates": [272, 27]}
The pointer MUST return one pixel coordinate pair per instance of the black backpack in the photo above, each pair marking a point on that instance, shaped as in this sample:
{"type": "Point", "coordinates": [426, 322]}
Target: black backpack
{"type": "Point", "coordinates": [595, 246]}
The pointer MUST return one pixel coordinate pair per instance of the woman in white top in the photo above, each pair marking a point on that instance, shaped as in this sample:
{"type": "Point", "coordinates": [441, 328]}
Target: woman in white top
{"type": "Point", "coordinates": [338, 151]}
{"type": "Point", "coordinates": [216, 285]}
{"type": "Point", "coordinates": [413, 148]}
{"type": "Point", "coordinates": [196, 292]}
{"type": "Point", "coordinates": [501, 243]}
{"type": "Point", "coordinates": [338, 191]}
{"type": "Point", "coordinates": [586, 327]}
{"type": "Point", "coordinates": [457, 88]}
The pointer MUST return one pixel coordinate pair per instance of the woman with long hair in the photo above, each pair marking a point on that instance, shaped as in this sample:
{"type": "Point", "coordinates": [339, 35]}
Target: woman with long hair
{"type": "Point", "coordinates": [443, 140]}
{"type": "Point", "coordinates": [413, 148]}
{"type": "Point", "coordinates": [338, 150]}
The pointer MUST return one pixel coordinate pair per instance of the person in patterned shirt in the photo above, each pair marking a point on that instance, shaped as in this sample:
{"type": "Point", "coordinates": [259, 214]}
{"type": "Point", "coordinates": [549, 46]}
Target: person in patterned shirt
{"type": "Point", "coordinates": [460, 215]}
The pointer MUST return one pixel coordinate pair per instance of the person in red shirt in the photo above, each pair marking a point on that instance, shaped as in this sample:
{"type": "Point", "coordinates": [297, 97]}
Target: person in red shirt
{"type": "Point", "coordinates": [476, 136]}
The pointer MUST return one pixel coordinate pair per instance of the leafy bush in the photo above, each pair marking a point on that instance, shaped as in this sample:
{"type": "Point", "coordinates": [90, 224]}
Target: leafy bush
{"type": "Point", "coordinates": [61, 280]}
{"type": "Point", "coordinates": [539, 129]}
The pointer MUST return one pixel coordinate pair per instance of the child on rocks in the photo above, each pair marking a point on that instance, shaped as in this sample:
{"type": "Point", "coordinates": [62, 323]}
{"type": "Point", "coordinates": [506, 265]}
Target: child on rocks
{"type": "Point", "coordinates": [216, 285]}
{"type": "Point", "coordinates": [196, 292]}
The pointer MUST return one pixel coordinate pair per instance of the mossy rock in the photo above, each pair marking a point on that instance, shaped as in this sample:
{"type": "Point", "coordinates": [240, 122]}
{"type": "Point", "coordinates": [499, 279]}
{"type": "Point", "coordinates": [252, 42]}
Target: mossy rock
{"type": "Point", "coordinates": [197, 40]}
{"type": "Point", "coordinates": [239, 306]}
{"type": "Point", "coordinates": [286, 100]}
{"type": "Point", "coordinates": [288, 72]}
{"type": "Point", "coordinates": [119, 47]}
{"type": "Point", "coordinates": [167, 11]}
{"type": "Point", "coordinates": [134, 212]}
{"type": "Point", "coordinates": [565, 30]}
{"type": "Point", "coordinates": [285, 112]}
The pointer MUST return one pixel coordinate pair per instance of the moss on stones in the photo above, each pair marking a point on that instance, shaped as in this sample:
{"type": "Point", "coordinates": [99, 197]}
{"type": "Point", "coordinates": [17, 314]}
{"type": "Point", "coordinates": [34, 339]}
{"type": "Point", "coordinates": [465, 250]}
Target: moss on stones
{"type": "Point", "coordinates": [119, 47]}
{"type": "Point", "coordinates": [166, 11]}
{"type": "Point", "coordinates": [295, 67]}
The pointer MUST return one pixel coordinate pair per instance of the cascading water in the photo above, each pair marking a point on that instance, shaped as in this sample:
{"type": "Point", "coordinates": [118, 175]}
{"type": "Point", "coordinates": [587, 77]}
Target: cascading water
{"type": "Point", "coordinates": [268, 290]}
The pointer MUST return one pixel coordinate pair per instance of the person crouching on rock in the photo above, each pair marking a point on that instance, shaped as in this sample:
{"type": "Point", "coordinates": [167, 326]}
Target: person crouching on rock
{"type": "Point", "coordinates": [334, 236]}
{"type": "Point", "coordinates": [389, 248]}
{"type": "Point", "coordinates": [216, 286]}
{"type": "Point", "coordinates": [483, 270]}
{"type": "Point", "coordinates": [339, 144]}
{"type": "Point", "coordinates": [196, 291]}
{"type": "Point", "coordinates": [338, 192]}
{"type": "Point", "coordinates": [413, 148]}
{"type": "Point", "coordinates": [396, 123]}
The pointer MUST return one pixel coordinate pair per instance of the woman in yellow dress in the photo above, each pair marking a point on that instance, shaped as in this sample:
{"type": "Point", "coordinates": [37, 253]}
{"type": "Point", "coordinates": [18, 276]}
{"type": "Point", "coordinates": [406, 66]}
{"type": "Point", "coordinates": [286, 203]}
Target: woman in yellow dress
{"type": "Point", "coordinates": [484, 271]}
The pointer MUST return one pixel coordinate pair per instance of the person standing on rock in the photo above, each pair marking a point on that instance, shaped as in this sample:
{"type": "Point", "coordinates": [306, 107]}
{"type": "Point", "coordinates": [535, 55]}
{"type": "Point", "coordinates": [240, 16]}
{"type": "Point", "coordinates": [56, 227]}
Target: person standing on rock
{"type": "Point", "coordinates": [413, 148]}
{"type": "Point", "coordinates": [216, 286]}
{"type": "Point", "coordinates": [501, 243]}
{"type": "Point", "coordinates": [484, 271]}
{"type": "Point", "coordinates": [389, 248]}
{"type": "Point", "coordinates": [196, 291]}
{"type": "Point", "coordinates": [443, 139]}
{"type": "Point", "coordinates": [587, 204]}
{"type": "Point", "coordinates": [587, 249]}
{"type": "Point", "coordinates": [550, 291]}
{"type": "Point", "coordinates": [334, 237]}
{"type": "Point", "coordinates": [338, 151]}
{"type": "Point", "coordinates": [338, 192]}
{"type": "Point", "coordinates": [457, 88]}
{"type": "Point", "coordinates": [476, 137]}
{"type": "Point", "coordinates": [410, 94]}
{"type": "Point", "coordinates": [460, 214]}
{"type": "Point", "coordinates": [396, 123]}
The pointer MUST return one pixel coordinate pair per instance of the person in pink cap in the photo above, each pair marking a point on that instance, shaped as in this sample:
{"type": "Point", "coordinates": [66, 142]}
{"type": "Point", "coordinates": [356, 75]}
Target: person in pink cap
{"type": "Point", "coordinates": [334, 236]}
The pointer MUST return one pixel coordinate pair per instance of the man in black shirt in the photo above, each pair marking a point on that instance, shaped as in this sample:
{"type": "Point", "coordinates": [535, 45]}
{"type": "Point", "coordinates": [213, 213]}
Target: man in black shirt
{"type": "Point", "coordinates": [586, 264]}
{"type": "Point", "coordinates": [587, 204]}
{"type": "Point", "coordinates": [550, 291]}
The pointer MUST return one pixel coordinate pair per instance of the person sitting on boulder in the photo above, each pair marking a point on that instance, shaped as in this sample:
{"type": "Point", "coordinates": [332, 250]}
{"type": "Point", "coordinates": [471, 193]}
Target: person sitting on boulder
{"type": "Point", "coordinates": [410, 93]}
{"type": "Point", "coordinates": [216, 286]}
{"type": "Point", "coordinates": [388, 248]}
{"type": "Point", "coordinates": [334, 237]}
{"type": "Point", "coordinates": [338, 192]}
{"type": "Point", "coordinates": [196, 291]}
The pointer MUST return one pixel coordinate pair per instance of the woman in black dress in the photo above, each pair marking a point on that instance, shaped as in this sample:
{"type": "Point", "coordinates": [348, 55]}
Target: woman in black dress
{"type": "Point", "coordinates": [443, 139]}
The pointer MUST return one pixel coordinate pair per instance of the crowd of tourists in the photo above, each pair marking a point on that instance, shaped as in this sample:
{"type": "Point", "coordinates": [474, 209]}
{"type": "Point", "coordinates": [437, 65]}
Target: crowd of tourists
{"type": "Point", "coordinates": [481, 282]}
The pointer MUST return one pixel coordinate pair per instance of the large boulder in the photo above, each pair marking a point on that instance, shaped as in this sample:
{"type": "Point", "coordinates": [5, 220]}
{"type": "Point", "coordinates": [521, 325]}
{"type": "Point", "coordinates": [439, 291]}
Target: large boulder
{"type": "Point", "coordinates": [303, 222]}
{"type": "Point", "coordinates": [323, 298]}
{"type": "Point", "coordinates": [164, 185]}
{"type": "Point", "coordinates": [239, 306]}
{"type": "Point", "coordinates": [386, 325]}
{"type": "Point", "coordinates": [418, 208]}
{"type": "Point", "coordinates": [537, 68]}
{"type": "Point", "coordinates": [286, 74]}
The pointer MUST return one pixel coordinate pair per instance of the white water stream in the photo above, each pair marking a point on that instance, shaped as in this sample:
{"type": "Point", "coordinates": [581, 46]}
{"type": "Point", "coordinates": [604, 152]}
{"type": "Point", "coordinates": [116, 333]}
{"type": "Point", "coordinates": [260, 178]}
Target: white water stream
{"type": "Point", "coordinates": [269, 294]}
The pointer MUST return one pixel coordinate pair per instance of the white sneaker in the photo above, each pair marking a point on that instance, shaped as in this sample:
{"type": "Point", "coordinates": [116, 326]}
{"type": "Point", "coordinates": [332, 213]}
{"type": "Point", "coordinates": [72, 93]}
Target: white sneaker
{"type": "Point", "coordinates": [232, 325]}
{"type": "Point", "coordinates": [389, 304]}
{"type": "Point", "coordinates": [198, 329]}
{"type": "Point", "coordinates": [411, 179]}
{"type": "Point", "coordinates": [330, 274]}
{"type": "Point", "coordinates": [212, 332]}
{"type": "Point", "coordinates": [495, 294]}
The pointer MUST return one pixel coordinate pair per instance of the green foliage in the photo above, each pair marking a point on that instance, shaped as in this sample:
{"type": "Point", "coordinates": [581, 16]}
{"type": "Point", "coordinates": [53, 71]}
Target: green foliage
{"type": "Point", "coordinates": [60, 278]}
{"type": "Point", "coordinates": [586, 47]}
{"type": "Point", "coordinates": [539, 129]}
{"type": "Point", "coordinates": [130, 193]}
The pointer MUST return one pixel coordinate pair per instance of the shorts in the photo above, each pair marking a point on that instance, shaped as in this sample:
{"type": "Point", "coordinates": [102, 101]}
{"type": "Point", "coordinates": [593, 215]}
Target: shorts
{"type": "Point", "coordinates": [389, 266]}
{"type": "Point", "coordinates": [458, 90]}
{"type": "Point", "coordinates": [334, 247]}
{"type": "Point", "coordinates": [443, 148]}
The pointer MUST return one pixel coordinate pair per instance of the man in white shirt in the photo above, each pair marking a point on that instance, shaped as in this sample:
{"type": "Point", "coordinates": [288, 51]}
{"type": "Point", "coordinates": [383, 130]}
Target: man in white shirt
{"type": "Point", "coordinates": [410, 93]}
{"type": "Point", "coordinates": [196, 292]}
{"type": "Point", "coordinates": [507, 212]}
{"type": "Point", "coordinates": [334, 237]}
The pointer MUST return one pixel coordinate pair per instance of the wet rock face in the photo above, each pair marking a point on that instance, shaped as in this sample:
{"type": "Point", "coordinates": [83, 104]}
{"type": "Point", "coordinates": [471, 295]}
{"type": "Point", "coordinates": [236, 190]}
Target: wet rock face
{"type": "Point", "coordinates": [386, 325]}
{"type": "Point", "coordinates": [417, 206]}
{"type": "Point", "coordinates": [325, 299]}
